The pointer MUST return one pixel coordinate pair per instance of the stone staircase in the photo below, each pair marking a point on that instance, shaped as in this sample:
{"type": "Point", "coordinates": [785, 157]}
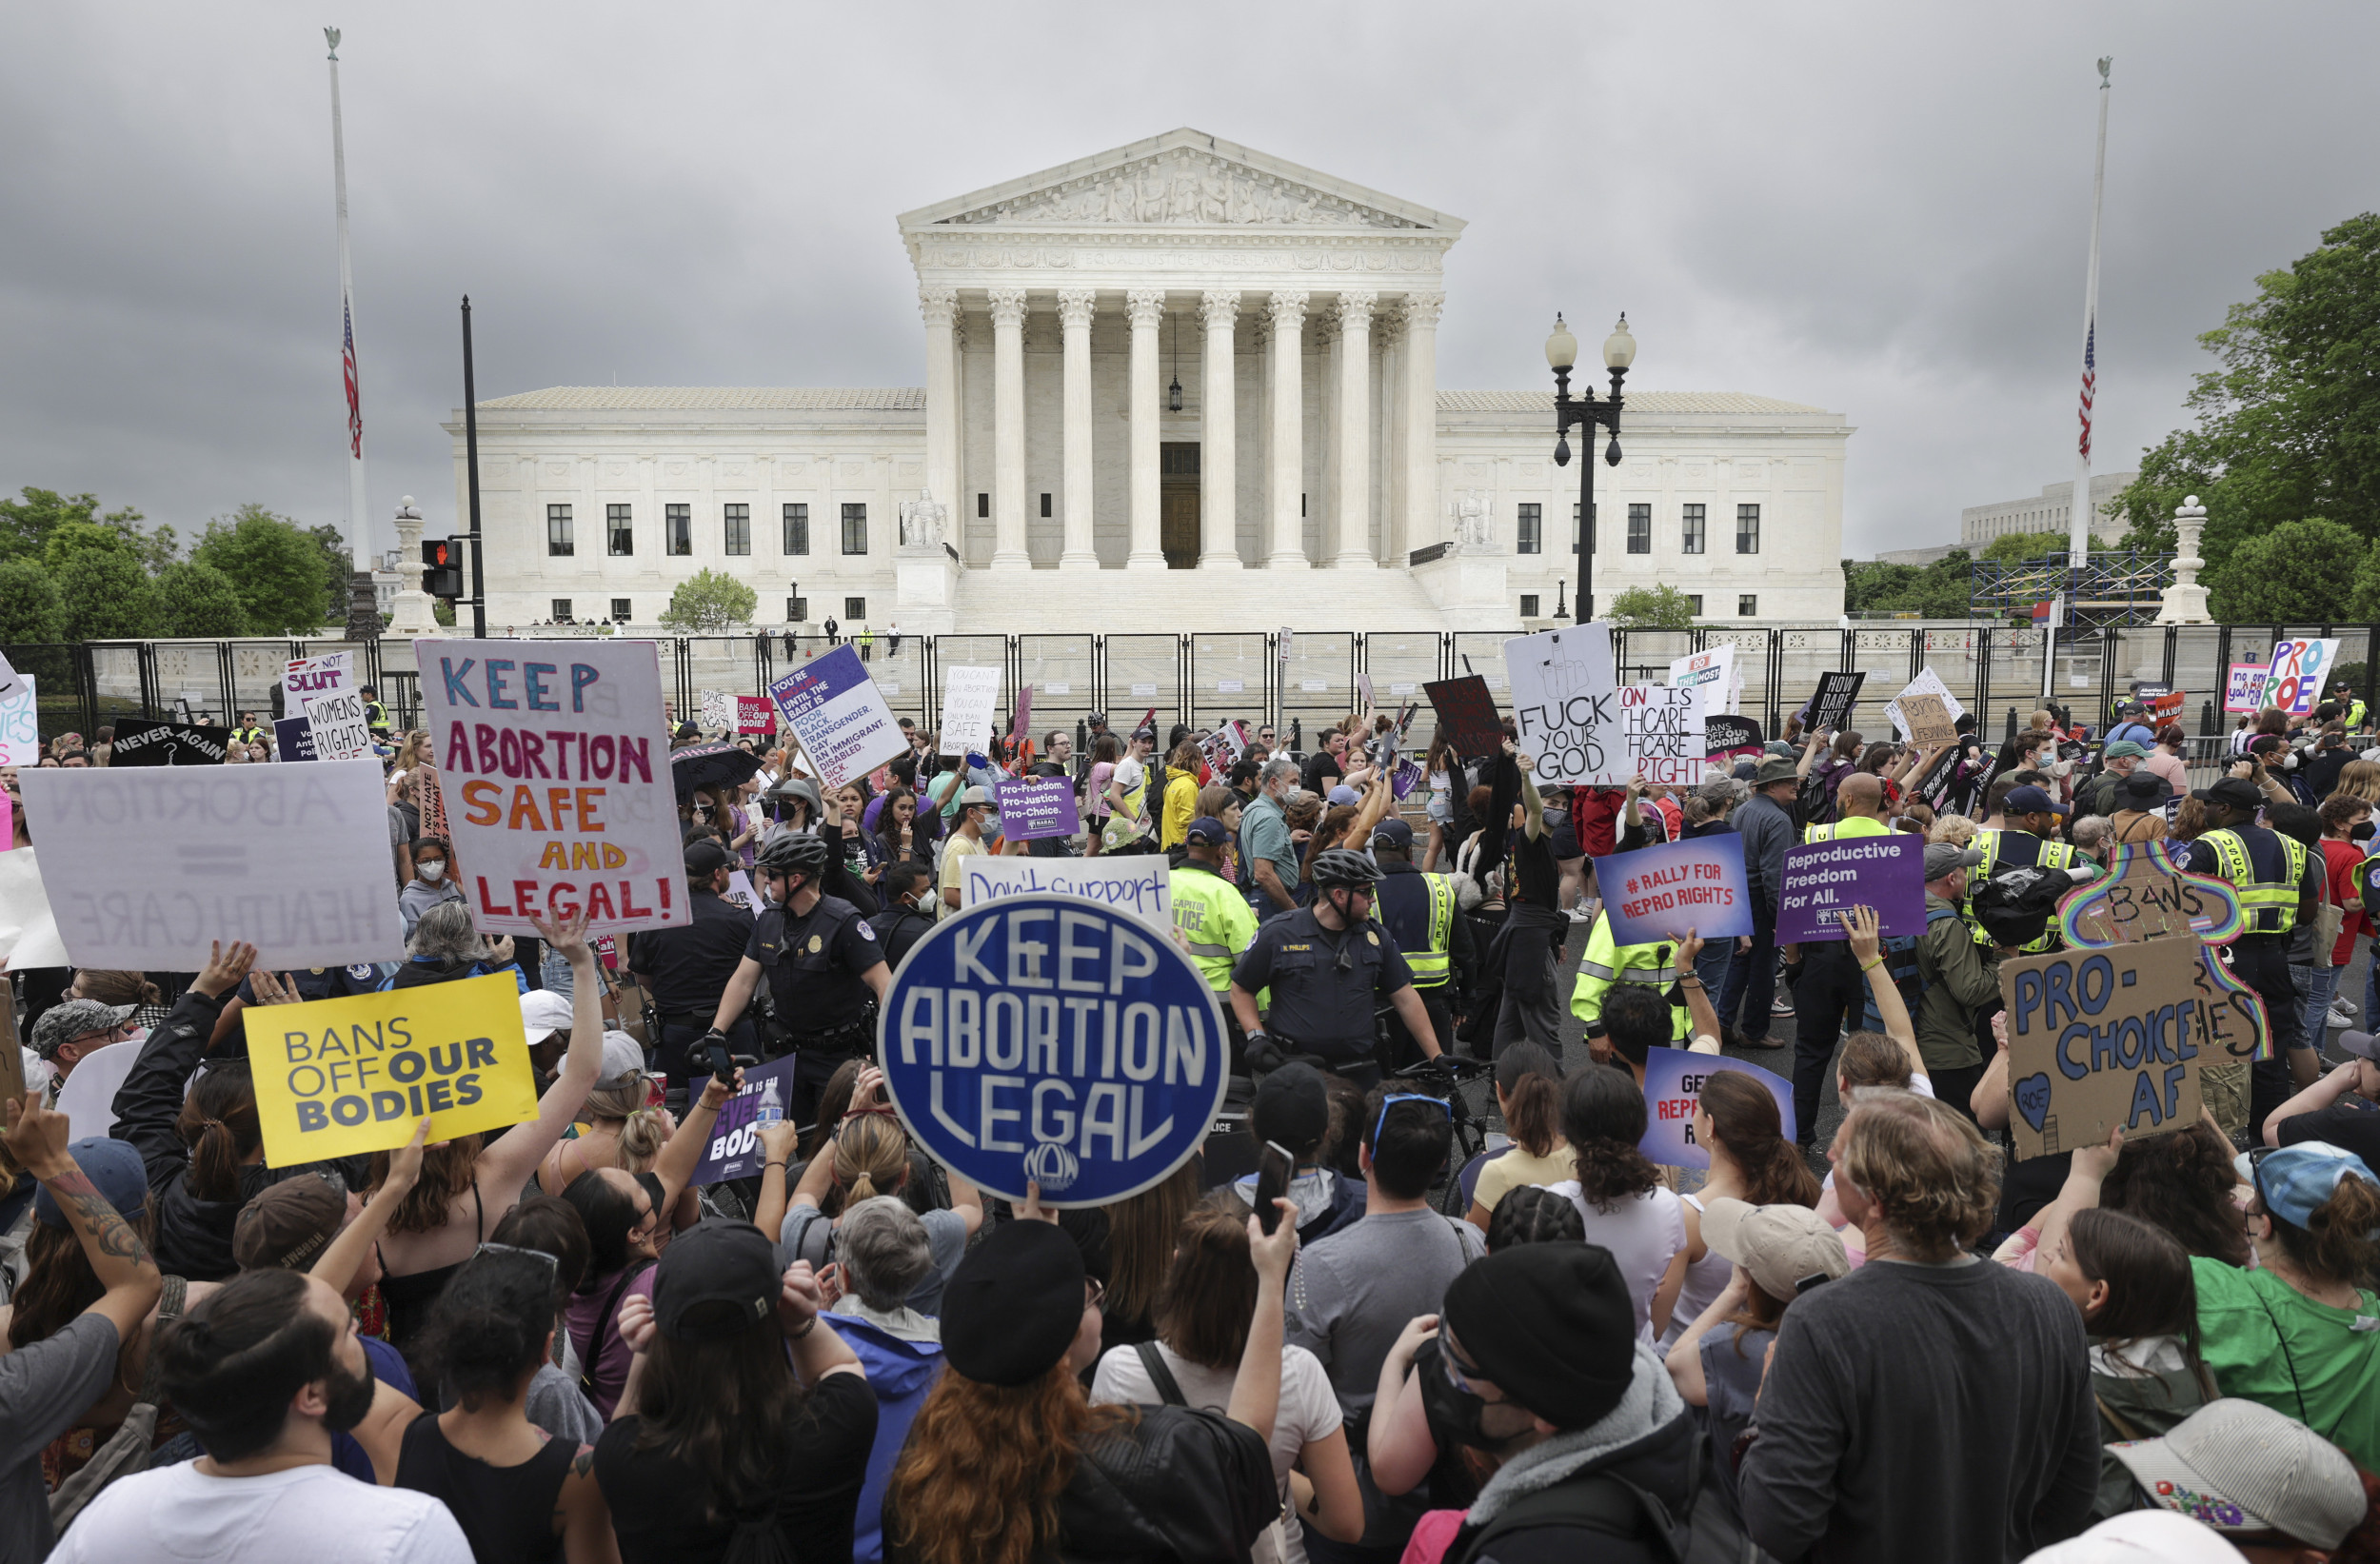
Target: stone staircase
{"type": "Point", "coordinates": [1066, 602]}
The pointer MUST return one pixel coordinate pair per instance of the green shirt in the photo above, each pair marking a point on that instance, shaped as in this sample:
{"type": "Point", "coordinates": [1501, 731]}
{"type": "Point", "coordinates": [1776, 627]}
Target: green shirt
{"type": "Point", "coordinates": [2269, 1343]}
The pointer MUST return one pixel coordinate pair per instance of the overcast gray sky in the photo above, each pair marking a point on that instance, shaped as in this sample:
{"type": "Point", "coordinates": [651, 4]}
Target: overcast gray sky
{"type": "Point", "coordinates": [1881, 209]}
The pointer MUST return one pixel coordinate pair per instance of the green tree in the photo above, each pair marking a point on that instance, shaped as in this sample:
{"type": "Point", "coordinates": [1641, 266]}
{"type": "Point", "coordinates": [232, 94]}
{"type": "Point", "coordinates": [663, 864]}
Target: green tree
{"type": "Point", "coordinates": [2015, 548]}
{"type": "Point", "coordinates": [711, 603]}
{"type": "Point", "coordinates": [106, 594]}
{"type": "Point", "coordinates": [27, 522]}
{"type": "Point", "coordinates": [30, 608]}
{"type": "Point", "coordinates": [1662, 607]}
{"type": "Point", "coordinates": [2289, 425]}
{"type": "Point", "coordinates": [1940, 590]}
{"type": "Point", "coordinates": [2302, 572]}
{"type": "Point", "coordinates": [275, 567]}
{"type": "Point", "coordinates": [198, 600]}
{"type": "Point", "coordinates": [338, 565]}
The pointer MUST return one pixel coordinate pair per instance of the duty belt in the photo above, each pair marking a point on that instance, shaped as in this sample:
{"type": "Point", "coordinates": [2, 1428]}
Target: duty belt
{"type": "Point", "coordinates": [853, 1038]}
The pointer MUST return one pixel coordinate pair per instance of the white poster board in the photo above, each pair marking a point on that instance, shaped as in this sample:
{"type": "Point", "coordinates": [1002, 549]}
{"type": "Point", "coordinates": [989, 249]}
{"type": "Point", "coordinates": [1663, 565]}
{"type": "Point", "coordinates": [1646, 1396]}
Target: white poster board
{"type": "Point", "coordinates": [1662, 729]}
{"type": "Point", "coordinates": [11, 682]}
{"type": "Point", "coordinates": [1713, 672]}
{"type": "Point", "coordinates": [146, 867]}
{"type": "Point", "coordinates": [1565, 705]}
{"type": "Point", "coordinates": [323, 674]}
{"type": "Point", "coordinates": [719, 712]}
{"type": "Point", "coordinates": [968, 696]}
{"type": "Point", "coordinates": [553, 764]}
{"type": "Point", "coordinates": [1927, 682]}
{"type": "Point", "coordinates": [20, 725]}
{"type": "Point", "coordinates": [29, 932]}
{"type": "Point", "coordinates": [1135, 883]}
{"type": "Point", "coordinates": [340, 729]}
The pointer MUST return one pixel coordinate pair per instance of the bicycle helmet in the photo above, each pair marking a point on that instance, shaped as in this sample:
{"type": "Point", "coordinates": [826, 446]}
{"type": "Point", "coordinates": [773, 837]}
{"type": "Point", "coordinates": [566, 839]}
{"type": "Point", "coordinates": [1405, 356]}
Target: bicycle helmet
{"type": "Point", "coordinates": [793, 853]}
{"type": "Point", "coordinates": [1343, 866]}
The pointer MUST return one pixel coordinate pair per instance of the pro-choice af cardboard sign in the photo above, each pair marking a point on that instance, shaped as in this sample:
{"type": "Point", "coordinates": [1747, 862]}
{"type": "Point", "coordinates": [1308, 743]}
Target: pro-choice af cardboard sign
{"type": "Point", "coordinates": [340, 1078]}
{"type": "Point", "coordinates": [2099, 1040]}
{"type": "Point", "coordinates": [1050, 1039]}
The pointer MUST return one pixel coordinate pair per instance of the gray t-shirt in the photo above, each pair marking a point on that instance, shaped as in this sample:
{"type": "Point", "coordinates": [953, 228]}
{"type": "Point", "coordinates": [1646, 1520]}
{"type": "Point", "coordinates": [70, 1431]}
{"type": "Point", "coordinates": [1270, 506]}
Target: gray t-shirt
{"type": "Point", "coordinates": [43, 1387]}
{"type": "Point", "coordinates": [946, 1233]}
{"type": "Point", "coordinates": [1354, 1293]}
{"type": "Point", "coordinates": [1265, 833]}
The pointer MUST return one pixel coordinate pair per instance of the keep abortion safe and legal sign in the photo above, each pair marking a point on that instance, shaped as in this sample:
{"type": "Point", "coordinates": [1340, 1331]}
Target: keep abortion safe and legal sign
{"type": "Point", "coordinates": [1052, 1039]}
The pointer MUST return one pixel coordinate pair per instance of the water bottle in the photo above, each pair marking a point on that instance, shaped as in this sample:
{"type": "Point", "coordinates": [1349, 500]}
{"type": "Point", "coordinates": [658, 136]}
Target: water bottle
{"type": "Point", "coordinates": [771, 1111]}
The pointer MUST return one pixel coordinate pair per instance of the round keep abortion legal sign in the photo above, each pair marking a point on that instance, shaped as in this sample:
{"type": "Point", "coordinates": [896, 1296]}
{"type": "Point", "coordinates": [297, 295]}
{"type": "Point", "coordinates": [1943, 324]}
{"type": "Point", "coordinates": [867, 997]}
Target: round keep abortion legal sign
{"type": "Point", "coordinates": [1051, 1039]}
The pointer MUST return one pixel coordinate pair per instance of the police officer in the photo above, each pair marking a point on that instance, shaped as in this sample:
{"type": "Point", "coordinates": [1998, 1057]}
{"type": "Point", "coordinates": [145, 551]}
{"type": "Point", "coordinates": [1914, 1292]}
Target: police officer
{"type": "Point", "coordinates": [1830, 985]}
{"type": "Point", "coordinates": [248, 731]}
{"type": "Point", "coordinates": [375, 715]}
{"type": "Point", "coordinates": [1328, 968]}
{"type": "Point", "coordinates": [825, 970]}
{"type": "Point", "coordinates": [684, 970]}
{"type": "Point", "coordinates": [2278, 883]}
{"type": "Point", "coordinates": [1418, 909]}
{"type": "Point", "coordinates": [2030, 816]}
{"type": "Point", "coordinates": [1213, 917]}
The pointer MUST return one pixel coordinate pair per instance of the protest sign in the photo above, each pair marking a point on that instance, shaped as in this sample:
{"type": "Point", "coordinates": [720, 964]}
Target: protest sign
{"type": "Point", "coordinates": [1363, 692]}
{"type": "Point", "coordinates": [2147, 895]}
{"type": "Point", "coordinates": [717, 710]}
{"type": "Point", "coordinates": [740, 893]}
{"type": "Point", "coordinates": [968, 696]}
{"type": "Point", "coordinates": [143, 871]}
{"type": "Point", "coordinates": [88, 1097]}
{"type": "Point", "coordinates": [2103, 1038]}
{"type": "Point", "coordinates": [1662, 730]}
{"type": "Point", "coordinates": [1826, 879]}
{"type": "Point", "coordinates": [11, 682]}
{"type": "Point", "coordinates": [1035, 807]}
{"type": "Point", "coordinates": [1132, 882]}
{"type": "Point", "coordinates": [2243, 690]}
{"type": "Point", "coordinates": [554, 771]}
{"type": "Point", "coordinates": [29, 932]}
{"type": "Point", "coordinates": [337, 726]}
{"type": "Point", "coordinates": [1223, 746]}
{"type": "Point", "coordinates": [1566, 706]}
{"type": "Point", "coordinates": [1466, 715]}
{"type": "Point", "coordinates": [839, 715]}
{"type": "Point", "coordinates": [1726, 740]}
{"type": "Point", "coordinates": [755, 715]}
{"type": "Point", "coordinates": [1052, 1039]}
{"type": "Point", "coordinates": [2299, 670]}
{"type": "Point", "coordinates": [20, 725]}
{"type": "Point", "coordinates": [1830, 707]}
{"type": "Point", "coordinates": [1930, 722]}
{"type": "Point", "coordinates": [325, 675]}
{"type": "Point", "coordinates": [293, 738]}
{"type": "Point", "coordinates": [1927, 682]}
{"type": "Point", "coordinates": [1713, 673]}
{"type": "Point", "coordinates": [342, 1078]}
{"type": "Point", "coordinates": [1673, 1089]}
{"type": "Point", "coordinates": [1658, 893]}
{"type": "Point", "coordinates": [1021, 721]}
{"type": "Point", "coordinates": [735, 1149]}
{"type": "Point", "coordinates": [140, 743]}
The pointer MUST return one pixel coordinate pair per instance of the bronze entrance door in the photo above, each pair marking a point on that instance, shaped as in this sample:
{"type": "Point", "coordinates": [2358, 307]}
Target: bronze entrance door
{"type": "Point", "coordinates": [1178, 503]}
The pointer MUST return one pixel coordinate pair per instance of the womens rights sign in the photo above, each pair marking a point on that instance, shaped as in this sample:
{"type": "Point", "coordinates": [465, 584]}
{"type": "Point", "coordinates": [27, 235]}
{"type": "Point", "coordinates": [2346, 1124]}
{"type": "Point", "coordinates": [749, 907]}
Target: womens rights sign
{"type": "Point", "coordinates": [1825, 880]}
{"type": "Point", "coordinates": [324, 674]}
{"type": "Point", "coordinates": [1711, 672]}
{"type": "Point", "coordinates": [1662, 730]}
{"type": "Point", "coordinates": [2101, 1039]}
{"type": "Point", "coordinates": [342, 1078]}
{"type": "Point", "coordinates": [555, 777]}
{"type": "Point", "coordinates": [1672, 1090]}
{"type": "Point", "coordinates": [1658, 893]}
{"type": "Point", "coordinates": [839, 717]}
{"type": "Point", "coordinates": [1050, 1039]}
{"type": "Point", "coordinates": [1036, 807]}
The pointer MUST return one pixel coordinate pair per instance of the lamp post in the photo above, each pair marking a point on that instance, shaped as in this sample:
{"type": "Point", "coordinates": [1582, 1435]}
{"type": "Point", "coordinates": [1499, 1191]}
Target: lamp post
{"type": "Point", "coordinates": [1562, 352]}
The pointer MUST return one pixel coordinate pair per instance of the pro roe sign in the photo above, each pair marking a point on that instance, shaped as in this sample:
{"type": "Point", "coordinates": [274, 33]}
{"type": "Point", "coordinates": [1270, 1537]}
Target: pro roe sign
{"type": "Point", "coordinates": [1048, 1038]}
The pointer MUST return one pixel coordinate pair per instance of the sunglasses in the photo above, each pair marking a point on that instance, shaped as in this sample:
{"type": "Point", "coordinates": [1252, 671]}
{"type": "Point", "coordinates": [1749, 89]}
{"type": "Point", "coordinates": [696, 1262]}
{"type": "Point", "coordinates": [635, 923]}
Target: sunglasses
{"type": "Point", "coordinates": [551, 1264]}
{"type": "Point", "coordinates": [1388, 1103]}
{"type": "Point", "coordinates": [1095, 1293]}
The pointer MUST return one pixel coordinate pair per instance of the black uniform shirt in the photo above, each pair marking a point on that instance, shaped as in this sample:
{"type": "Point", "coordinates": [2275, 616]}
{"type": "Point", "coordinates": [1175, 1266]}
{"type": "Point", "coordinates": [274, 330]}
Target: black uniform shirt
{"type": "Point", "coordinates": [815, 963]}
{"type": "Point", "coordinates": [1314, 1005]}
{"type": "Point", "coordinates": [688, 967]}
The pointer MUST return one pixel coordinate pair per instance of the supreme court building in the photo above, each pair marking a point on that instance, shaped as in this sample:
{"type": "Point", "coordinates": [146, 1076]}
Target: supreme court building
{"type": "Point", "coordinates": [1179, 356]}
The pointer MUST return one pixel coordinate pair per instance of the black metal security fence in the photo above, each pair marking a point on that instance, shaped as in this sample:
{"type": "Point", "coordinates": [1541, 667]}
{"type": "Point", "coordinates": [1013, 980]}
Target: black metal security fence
{"type": "Point", "coordinates": [1994, 670]}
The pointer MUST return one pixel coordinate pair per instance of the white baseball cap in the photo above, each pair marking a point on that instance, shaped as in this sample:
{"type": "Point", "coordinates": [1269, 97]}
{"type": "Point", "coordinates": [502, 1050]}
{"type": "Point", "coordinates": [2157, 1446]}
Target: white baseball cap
{"type": "Point", "coordinates": [543, 1013]}
{"type": "Point", "coordinates": [2141, 1536]}
{"type": "Point", "coordinates": [1784, 1247]}
{"type": "Point", "coordinates": [624, 1058]}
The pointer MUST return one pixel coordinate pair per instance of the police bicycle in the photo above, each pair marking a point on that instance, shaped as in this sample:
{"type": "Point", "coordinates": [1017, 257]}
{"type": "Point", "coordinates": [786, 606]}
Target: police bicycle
{"type": "Point", "coordinates": [1452, 1080]}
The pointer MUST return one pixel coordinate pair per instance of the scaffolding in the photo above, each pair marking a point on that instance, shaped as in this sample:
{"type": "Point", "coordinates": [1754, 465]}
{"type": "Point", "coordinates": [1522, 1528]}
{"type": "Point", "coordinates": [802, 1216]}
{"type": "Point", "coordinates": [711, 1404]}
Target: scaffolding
{"type": "Point", "coordinates": [2113, 587]}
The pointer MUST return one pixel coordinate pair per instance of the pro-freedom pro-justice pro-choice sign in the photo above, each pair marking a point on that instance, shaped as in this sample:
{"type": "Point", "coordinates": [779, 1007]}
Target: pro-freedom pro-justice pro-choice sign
{"type": "Point", "coordinates": [1052, 1039]}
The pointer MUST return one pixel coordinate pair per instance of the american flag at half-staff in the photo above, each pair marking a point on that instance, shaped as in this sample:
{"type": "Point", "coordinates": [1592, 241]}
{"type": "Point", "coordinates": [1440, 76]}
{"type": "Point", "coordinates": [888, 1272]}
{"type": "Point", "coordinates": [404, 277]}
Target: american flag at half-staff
{"type": "Point", "coordinates": [355, 404]}
{"type": "Point", "coordinates": [2090, 379]}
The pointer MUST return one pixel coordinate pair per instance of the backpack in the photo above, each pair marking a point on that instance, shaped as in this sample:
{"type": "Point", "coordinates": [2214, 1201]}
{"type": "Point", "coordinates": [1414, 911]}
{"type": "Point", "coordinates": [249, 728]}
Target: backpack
{"type": "Point", "coordinates": [1604, 1502]}
{"type": "Point", "coordinates": [814, 1237]}
{"type": "Point", "coordinates": [2017, 904]}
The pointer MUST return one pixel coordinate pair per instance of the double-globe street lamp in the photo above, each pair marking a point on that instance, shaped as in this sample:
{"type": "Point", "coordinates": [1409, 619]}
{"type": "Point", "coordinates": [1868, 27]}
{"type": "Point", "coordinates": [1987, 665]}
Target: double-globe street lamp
{"type": "Point", "coordinates": [1561, 351]}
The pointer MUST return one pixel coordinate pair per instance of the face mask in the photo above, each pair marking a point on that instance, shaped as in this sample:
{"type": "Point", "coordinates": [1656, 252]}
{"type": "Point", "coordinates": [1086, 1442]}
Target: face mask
{"type": "Point", "coordinates": [433, 869]}
{"type": "Point", "coordinates": [2363, 832]}
{"type": "Point", "coordinates": [1453, 1412]}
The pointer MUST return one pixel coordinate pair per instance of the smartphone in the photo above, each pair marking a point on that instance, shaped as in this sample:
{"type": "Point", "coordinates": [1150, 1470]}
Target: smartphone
{"type": "Point", "coordinates": [1274, 1169]}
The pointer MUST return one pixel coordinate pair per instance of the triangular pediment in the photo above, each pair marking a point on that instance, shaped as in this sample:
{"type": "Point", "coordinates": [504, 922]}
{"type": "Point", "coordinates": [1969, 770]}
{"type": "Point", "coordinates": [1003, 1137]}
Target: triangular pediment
{"type": "Point", "coordinates": [1182, 179]}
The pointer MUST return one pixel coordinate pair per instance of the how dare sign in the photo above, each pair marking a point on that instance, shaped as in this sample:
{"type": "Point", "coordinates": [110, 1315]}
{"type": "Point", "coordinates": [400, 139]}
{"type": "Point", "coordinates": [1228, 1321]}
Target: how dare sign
{"type": "Point", "coordinates": [1658, 893]}
{"type": "Point", "coordinates": [1050, 1039]}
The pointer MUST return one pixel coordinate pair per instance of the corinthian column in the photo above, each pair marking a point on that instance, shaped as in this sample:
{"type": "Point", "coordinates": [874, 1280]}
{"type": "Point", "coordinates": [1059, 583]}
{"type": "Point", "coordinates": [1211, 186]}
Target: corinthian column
{"type": "Point", "coordinates": [1351, 444]}
{"type": "Point", "coordinates": [940, 308]}
{"type": "Point", "coordinates": [1008, 550]}
{"type": "Point", "coordinates": [1219, 470]}
{"type": "Point", "coordinates": [1285, 450]}
{"type": "Point", "coordinates": [1074, 319]}
{"type": "Point", "coordinates": [1146, 307]}
{"type": "Point", "coordinates": [1417, 411]}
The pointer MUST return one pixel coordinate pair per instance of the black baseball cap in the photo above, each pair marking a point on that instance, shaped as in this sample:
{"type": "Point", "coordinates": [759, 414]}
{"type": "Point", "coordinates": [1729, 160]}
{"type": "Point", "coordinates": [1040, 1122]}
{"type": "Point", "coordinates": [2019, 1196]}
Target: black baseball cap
{"type": "Point", "coordinates": [2238, 792]}
{"type": "Point", "coordinates": [715, 1262]}
{"type": "Point", "coordinates": [704, 857]}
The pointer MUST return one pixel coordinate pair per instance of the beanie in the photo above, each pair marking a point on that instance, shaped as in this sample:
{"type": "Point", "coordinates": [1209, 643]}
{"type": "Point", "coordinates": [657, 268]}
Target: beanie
{"type": "Point", "coordinates": [1552, 1324]}
{"type": "Point", "coordinates": [1013, 1305]}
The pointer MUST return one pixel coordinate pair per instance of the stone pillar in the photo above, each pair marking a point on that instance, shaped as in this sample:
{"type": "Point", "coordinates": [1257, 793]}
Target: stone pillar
{"type": "Point", "coordinates": [1218, 466]}
{"type": "Point", "coordinates": [1008, 550]}
{"type": "Point", "coordinates": [1351, 444]}
{"type": "Point", "coordinates": [413, 614]}
{"type": "Point", "coordinates": [1075, 306]}
{"type": "Point", "coordinates": [2186, 601]}
{"type": "Point", "coordinates": [1417, 437]}
{"type": "Point", "coordinates": [940, 308]}
{"type": "Point", "coordinates": [1285, 448]}
{"type": "Point", "coordinates": [1147, 308]}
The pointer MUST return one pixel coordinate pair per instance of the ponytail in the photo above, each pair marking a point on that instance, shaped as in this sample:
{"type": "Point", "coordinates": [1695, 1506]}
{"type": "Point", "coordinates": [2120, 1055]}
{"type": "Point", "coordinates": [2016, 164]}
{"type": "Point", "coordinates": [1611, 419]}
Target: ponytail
{"type": "Point", "coordinates": [1531, 1083]}
{"type": "Point", "coordinates": [2337, 1243]}
{"type": "Point", "coordinates": [218, 1124]}
{"type": "Point", "coordinates": [871, 1157]}
{"type": "Point", "coordinates": [1746, 1124]}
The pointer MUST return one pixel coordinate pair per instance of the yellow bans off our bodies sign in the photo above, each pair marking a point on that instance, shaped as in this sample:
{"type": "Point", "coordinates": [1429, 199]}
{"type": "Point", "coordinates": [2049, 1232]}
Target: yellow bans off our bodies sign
{"type": "Point", "coordinates": [337, 1077]}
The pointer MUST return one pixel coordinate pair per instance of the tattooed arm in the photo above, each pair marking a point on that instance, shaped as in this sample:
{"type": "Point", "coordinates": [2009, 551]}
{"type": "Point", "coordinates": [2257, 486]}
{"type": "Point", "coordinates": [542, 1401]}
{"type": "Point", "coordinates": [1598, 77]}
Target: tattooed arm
{"type": "Point", "coordinates": [37, 1139]}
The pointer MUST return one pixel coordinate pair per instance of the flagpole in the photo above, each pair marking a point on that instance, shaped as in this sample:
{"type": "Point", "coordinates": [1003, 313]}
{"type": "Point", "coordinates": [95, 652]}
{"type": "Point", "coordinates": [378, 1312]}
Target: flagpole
{"type": "Point", "coordinates": [360, 603]}
{"type": "Point", "coordinates": [2080, 513]}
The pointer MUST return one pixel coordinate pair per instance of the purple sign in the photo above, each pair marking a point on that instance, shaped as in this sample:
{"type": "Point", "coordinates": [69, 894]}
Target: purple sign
{"type": "Point", "coordinates": [293, 738]}
{"type": "Point", "coordinates": [1658, 893]}
{"type": "Point", "coordinates": [1672, 1086]}
{"type": "Point", "coordinates": [735, 1148]}
{"type": "Point", "coordinates": [1037, 807]}
{"type": "Point", "coordinates": [1827, 879]}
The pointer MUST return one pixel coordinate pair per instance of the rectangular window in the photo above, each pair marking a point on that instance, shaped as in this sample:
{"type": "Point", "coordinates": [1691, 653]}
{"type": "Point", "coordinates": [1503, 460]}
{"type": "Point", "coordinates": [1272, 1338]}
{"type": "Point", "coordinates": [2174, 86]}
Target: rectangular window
{"type": "Point", "coordinates": [984, 505]}
{"type": "Point", "coordinates": [558, 541]}
{"type": "Point", "coordinates": [1747, 529]}
{"type": "Point", "coordinates": [1529, 536]}
{"type": "Point", "coordinates": [619, 609]}
{"type": "Point", "coordinates": [739, 519]}
{"type": "Point", "coordinates": [1641, 530]}
{"type": "Point", "coordinates": [1045, 502]}
{"type": "Point", "coordinates": [677, 530]}
{"type": "Point", "coordinates": [796, 610]}
{"type": "Point", "coordinates": [1690, 530]}
{"type": "Point", "coordinates": [620, 531]}
{"type": "Point", "coordinates": [1528, 606]}
{"type": "Point", "coordinates": [562, 609]}
{"type": "Point", "coordinates": [855, 528]}
{"type": "Point", "coordinates": [854, 609]}
{"type": "Point", "coordinates": [1695, 598]}
{"type": "Point", "coordinates": [1748, 606]}
{"type": "Point", "coordinates": [797, 529]}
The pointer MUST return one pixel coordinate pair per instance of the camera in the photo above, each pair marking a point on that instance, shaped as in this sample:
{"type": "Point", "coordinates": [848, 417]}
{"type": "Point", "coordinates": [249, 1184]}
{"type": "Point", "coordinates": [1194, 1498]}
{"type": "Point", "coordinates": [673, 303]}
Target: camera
{"type": "Point", "coordinates": [713, 1055]}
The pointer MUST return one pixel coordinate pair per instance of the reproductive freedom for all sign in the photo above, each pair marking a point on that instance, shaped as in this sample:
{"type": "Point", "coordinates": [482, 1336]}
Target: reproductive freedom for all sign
{"type": "Point", "coordinates": [1826, 879]}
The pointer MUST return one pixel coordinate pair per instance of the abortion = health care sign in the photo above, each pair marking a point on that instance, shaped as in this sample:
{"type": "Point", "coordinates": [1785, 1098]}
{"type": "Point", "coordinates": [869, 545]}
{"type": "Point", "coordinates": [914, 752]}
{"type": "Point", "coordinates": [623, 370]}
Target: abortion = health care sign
{"type": "Point", "coordinates": [1658, 893]}
{"type": "Point", "coordinates": [1052, 1039]}
{"type": "Point", "coordinates": [556, 782]}
{"type": "Point", "coordinates": [840, 716]}
{"type": "Point", "coordinates": [145, 868]}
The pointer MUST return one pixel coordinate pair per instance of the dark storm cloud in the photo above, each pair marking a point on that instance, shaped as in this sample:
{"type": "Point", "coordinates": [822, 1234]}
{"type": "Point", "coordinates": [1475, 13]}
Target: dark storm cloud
{"type": "Point", "coordinates": [1880, 209]}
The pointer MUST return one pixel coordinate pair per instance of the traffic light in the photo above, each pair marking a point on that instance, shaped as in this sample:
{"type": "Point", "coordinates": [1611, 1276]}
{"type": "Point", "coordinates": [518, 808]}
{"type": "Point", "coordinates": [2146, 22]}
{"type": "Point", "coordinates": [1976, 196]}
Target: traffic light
{"type": "Point", "coordinates": [442, 572]}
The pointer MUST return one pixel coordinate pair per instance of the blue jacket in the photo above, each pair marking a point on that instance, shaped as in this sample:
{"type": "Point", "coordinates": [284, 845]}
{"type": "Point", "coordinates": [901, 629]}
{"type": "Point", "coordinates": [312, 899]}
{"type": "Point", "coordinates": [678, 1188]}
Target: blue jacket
{"type": "Point", "coordinates": [900, 1372]}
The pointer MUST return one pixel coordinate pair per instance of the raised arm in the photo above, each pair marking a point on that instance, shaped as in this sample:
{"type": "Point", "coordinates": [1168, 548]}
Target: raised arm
{"type": "Point", "coordinates": [340, 1261]}
{"type": "Point", "coordinates": [1397, 1437]}
{"type": "Point", "coordinates": [778, 1141]}
{"type": "Point", "coordinates": [683, 1151]}
{"type": "Point", "coordinates": [1377, 799]}
{"type": "Point", "coordinates": [1866, 944]}
{"type": "Point", "coordinates": [1256, 1389]}
{"type": "Point", "coordinates": [1533, 808]}
{"type": "Point", "coordinates": [37, 1139]}
{"type": "Point", "coordinates": [512, 1157]}
{"type": "Point", "coordinates": [149, 1101]}
{"type": "Point", "coordinates": [1703, 1021]}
